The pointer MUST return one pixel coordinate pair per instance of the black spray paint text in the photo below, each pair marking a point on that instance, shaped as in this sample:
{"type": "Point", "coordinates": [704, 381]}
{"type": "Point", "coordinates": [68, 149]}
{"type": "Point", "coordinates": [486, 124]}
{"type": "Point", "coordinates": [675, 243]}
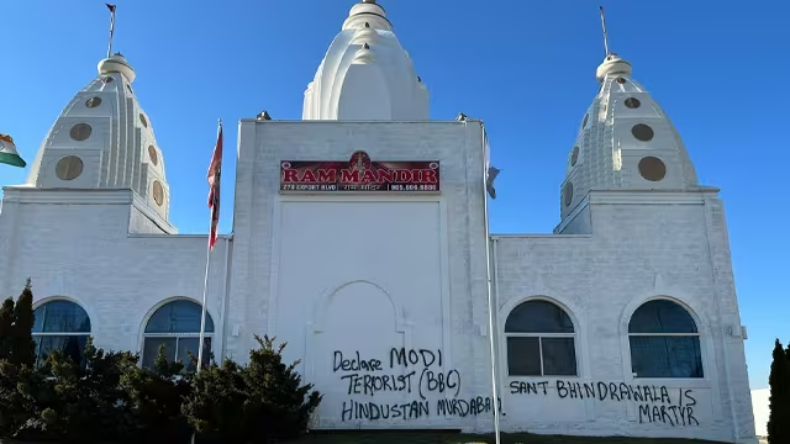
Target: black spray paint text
{"type": "Point", "coordinates": [371, 411]}
{"type": "Point", "coordinates": [654, 402]}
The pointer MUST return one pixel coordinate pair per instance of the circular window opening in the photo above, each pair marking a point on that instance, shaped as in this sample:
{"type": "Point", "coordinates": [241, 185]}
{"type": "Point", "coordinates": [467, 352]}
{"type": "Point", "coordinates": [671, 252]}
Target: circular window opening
{"type": "Point", "coordinates": [69, 168]}
{"type": "Point", "coordinates": [642, 132]}
{"type": "Point", "coordinates": [80, 132]}
{"type": "Point", "coordinates": [621, 80]}
{"type": "Point", "coordinates": [159, 193]}
{"type": "Point", "coordinates": [574, 156]}
{"type": "Point", "coordinates": [632, 102]}
{"type": "Point", "coordinates": [107, 79]}
{"type": "Point", "coordinates": [143, 120]}
{"type": "Point", "coordinates": [152, 155]}
{"type": "Point", "coordinates": [567, 194]}
{"type": "Point", "coordinates": [586, 118]}
{"type": "Point", "coordinates": [93, 102]}
{"type": "Point", "coordinates": [652, 168]}
{"type": "Point", "coordinates": [129, 87]}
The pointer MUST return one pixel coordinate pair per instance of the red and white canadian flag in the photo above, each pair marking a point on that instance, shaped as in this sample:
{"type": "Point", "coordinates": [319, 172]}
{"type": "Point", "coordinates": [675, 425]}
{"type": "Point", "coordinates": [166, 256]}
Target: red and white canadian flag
{"type": "Point", "coordinates": [214, 173]}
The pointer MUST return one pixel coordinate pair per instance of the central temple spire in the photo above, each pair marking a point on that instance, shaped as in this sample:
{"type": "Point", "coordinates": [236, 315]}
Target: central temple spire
{"type": "Point", "coordinates": [366, 74]}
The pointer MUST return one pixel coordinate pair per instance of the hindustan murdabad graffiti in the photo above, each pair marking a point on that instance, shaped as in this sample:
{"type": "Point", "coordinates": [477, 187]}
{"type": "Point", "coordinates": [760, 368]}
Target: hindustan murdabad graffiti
{"type": "Point", "coordinates": [427, 387]}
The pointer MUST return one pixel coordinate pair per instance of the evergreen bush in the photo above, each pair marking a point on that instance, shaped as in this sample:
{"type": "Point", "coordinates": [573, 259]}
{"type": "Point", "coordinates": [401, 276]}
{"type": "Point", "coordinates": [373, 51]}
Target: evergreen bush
{"type": "Point", "coordinates": [108, 398]}
{"type": "Point", "coordinates": [259, 402]}
{"type": "Point", "coordinates": [779, 400]}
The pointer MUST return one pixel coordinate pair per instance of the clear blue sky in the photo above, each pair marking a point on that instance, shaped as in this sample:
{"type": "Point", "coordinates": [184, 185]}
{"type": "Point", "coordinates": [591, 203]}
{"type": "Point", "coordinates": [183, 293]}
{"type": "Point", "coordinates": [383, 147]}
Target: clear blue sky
{"type": "Point", "coordinates": [720, 70]}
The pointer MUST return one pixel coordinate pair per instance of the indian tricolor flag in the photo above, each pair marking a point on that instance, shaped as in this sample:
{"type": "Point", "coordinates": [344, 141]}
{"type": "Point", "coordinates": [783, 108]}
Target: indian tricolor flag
{"type": "Point", "coordinates": [214, 173]}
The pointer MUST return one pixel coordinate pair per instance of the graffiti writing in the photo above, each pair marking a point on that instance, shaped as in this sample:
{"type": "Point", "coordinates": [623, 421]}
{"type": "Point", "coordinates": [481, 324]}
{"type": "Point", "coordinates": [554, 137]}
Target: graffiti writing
{"type": "Point", "coordinates": [655, 404]}
{"type": "Point", "coordinates": [416, 372]}
{"type": "Point", "coordinates": [355, 410]}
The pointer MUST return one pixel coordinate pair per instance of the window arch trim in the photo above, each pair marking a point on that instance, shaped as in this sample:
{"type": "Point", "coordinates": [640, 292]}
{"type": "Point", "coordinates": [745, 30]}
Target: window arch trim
{"type": "Point", "coordinates": [578, 334]}
{"type": "Point", "coordinates": [636, 303]}
{"type": "Point", "coordinates": [703, 334]}
{"type": "Point", "coordinates": [53, 335]}
{"type": "Point", "coordinates": [215, 337]}
{"type": "Point", "coordinates": [91, 316]}
{"type": "Point", "coordinates": [164, 302]}
{"type": "Point", "coordinates": [511, 305]}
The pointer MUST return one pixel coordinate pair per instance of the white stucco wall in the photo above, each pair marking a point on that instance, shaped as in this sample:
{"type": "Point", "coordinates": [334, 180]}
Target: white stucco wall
{"type": "Point", "coordinates": [370, 274]}
{"type": "Point", "coordinates": [426, 290]}
{"type": "Point", "coordinates": [74, 244]}
{"type": "Point", "coordinates": [643, 245]}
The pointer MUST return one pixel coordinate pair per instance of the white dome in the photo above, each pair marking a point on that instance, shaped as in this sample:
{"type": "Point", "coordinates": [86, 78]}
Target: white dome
{"type": "Point", "coordinates": [103, 139]}
{"type": "Point", "coordinates": [366, 74]}
{"type": "Point", "coordinates": [625, 142]}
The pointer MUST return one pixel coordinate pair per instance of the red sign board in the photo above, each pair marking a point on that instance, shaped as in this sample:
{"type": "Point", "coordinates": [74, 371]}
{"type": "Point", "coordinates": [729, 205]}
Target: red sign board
{"type": "Point", "coordinates": [359, 174]}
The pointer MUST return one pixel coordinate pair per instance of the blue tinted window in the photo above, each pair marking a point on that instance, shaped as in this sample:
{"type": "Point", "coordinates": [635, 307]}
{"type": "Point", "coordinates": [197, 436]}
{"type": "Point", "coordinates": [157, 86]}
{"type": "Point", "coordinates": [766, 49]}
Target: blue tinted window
{"type": "Point", "coordinates": [61, 317]}
{"type": "Point", "coordinates": [538, 317]}
{"type": "Point", "coordinates": [178, 317]}
{"type": "Point", "coordinates": [662, 316]}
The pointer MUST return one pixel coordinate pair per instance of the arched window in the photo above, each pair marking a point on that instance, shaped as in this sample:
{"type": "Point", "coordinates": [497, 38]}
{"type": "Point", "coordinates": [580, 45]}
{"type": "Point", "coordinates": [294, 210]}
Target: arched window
{"type": "Point", "coordinates": [664, 342]}
{"type": "Point", "coordinates": [176, 325]}
{"type": "Point", "coordinates": [540, 341]}
{"type": "Point", "coordinates": [60, 325]}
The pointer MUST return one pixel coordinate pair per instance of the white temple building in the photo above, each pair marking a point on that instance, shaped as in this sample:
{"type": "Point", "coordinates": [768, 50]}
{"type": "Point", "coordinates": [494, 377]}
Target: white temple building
{"type": "Point", "coordinates": [360, 237]}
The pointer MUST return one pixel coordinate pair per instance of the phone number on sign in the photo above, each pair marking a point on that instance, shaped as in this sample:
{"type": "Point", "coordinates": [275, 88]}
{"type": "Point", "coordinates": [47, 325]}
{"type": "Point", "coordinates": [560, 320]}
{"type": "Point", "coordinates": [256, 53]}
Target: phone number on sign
{"type": "Point", "coordinates": [412, 187]}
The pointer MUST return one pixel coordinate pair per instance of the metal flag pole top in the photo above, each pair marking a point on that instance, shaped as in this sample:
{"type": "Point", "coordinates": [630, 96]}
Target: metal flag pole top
{"type": "Point", "coordinates": [214, 175]}
{"type": "Point", "coordinates": [605, 37]}
{"type": "Point", "coordinates": [112, 28]}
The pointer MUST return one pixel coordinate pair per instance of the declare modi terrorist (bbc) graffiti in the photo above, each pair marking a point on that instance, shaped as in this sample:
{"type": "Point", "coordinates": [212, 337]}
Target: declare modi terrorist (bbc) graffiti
{"type": "Point", "coordinates": [429, 388]}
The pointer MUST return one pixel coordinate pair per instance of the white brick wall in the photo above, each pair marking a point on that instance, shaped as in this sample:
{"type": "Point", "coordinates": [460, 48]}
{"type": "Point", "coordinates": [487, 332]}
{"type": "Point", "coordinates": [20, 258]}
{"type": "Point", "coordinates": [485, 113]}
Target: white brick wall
{"type": "Point", "coordinates": [643, 245]}
{"type": "Point", "coordinates": [459, 147]}
{"type": "Point", "coordinates": [81, 250]}
{"type": "Point", "coordinates": [76, 244]}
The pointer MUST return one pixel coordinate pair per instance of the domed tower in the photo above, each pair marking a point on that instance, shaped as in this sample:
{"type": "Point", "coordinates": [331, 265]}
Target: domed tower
{"type": "Point", "coordinates": [625, 142]}
{"type": "Point", "coordinates": [366, 74]}
{"type": "Point", "coordinates": [104, 140]}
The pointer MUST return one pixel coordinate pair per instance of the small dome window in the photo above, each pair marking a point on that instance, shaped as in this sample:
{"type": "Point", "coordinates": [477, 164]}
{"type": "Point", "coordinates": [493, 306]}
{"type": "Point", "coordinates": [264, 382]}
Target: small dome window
{"type": "Point", "coordinates": [586, 119]}
{"type": "Point", "coordinates": [642, 132]}
{"type": "Point", "coordinates": [632, 102]}
{"type": "Point", "coordinates": [69, 168]}
{"type": "Point", "coordinates": [143, 120]}
{"type": "Point", "coordinates": [80, 132]}
{"type": "Point", "coordinates": [567, 194]}
{"type": "Point", "coordinates": [620, 80]}
{"type": "Point", "coordinates": [159, 193]}
{"type": "Point", "coordinates": [93, 102]}
{"type": "Point", "coordinates": [574, 155]}
{"type": "Point", "coordinates": [152, 155]}
{"type": "Point", "coordinates": [652, 168]}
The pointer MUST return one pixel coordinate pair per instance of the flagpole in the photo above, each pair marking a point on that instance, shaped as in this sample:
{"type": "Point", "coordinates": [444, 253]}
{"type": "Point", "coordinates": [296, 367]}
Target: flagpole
{"type": "Point", "coordinates": [205, 277]}
{"type": "Point", "coordinates": [491, 302]}
{"type": "Point", "coordinates": [605, 37]}
{"type": "Point", "coordinates": [203, 303]}
{"type": "Point", "coordinates": [112, 28]}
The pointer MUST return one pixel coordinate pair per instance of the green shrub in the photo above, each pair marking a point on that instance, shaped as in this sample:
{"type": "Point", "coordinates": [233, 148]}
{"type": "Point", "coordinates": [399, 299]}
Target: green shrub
{"type": "Point", "coordinates": [81, 403]}
{"type": "Point", "coordinates": [258, 402]}
{"type": "Point", "coordinates": [155, 398]}
{"type": "Point", "coordinates": [779, 401]}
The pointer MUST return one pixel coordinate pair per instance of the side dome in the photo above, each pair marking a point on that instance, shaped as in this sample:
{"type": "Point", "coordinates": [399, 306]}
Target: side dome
{"type": "Point", "coordinates": [103, 139]}
{"type": "Point", "coordinates": [625, 142]}
{"type": "Point", "coordinates": [366, 74]}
